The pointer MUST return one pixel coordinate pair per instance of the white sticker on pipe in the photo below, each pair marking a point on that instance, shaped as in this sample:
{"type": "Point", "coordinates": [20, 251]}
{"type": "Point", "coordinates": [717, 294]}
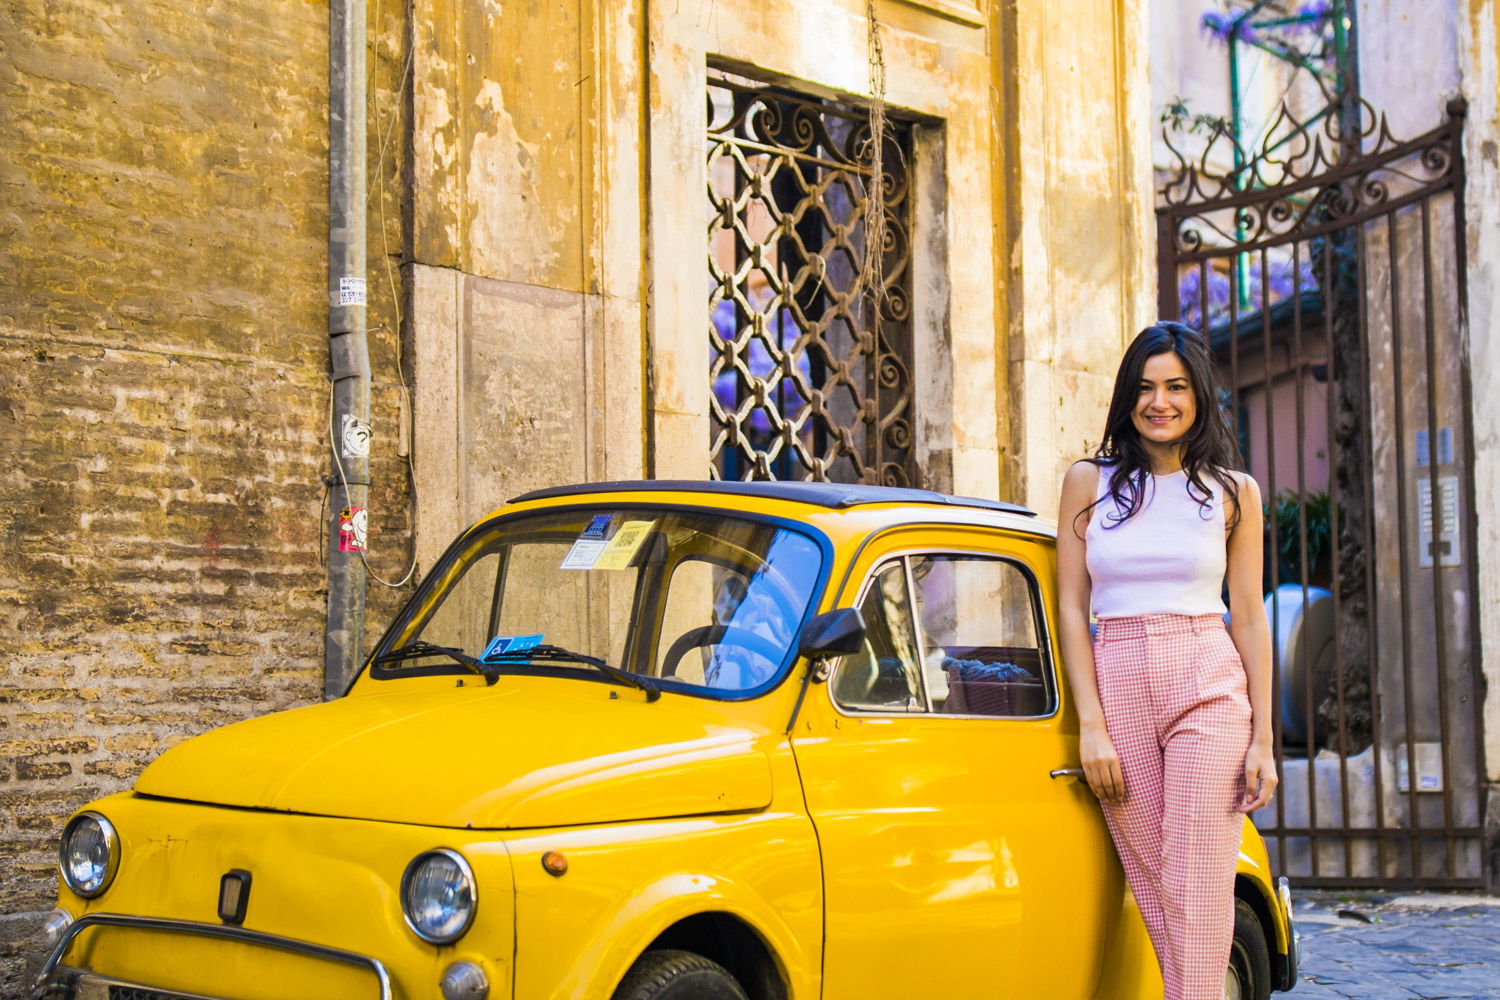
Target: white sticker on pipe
{"type": "Point", "coordinates": [351, 291]}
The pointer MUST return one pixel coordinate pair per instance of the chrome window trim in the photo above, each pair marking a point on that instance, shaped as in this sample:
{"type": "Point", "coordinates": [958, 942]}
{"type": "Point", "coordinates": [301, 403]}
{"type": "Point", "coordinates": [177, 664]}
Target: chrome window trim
{"type": "Point", "coordinates": [1294, 936]}
{"type": "Point", "coordinates": [1039, 614]}
{"type": "Point", "coordinates": [851, 712]}
{"type": "Point", "coordinates": [919, 633]}
{"type": "Point", "coordinates": [43, 981]}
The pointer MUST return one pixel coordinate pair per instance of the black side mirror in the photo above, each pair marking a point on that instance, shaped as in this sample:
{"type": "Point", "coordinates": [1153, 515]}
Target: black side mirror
{"type": "Point", "coordinates": [839, 631]}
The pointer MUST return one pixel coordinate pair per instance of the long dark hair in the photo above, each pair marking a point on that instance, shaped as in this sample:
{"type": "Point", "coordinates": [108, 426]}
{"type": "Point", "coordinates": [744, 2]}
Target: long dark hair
{"type": "Point", "coordinates": [1209, 448]}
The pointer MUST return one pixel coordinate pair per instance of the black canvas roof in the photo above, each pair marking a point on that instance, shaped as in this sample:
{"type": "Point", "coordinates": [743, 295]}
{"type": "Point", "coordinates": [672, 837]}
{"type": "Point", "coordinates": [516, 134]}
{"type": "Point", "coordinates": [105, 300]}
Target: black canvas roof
{"type": "Point", "coordinates": [822, 494]}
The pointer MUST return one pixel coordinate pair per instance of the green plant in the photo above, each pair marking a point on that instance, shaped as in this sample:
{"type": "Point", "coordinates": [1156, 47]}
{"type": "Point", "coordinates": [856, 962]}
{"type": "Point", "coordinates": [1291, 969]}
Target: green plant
{"type": "Point", "coordinates": [1288, 512]}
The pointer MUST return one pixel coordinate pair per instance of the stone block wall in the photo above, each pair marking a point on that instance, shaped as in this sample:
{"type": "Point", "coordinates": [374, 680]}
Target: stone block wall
{"type": "Point", "coordinates": [164, 395]}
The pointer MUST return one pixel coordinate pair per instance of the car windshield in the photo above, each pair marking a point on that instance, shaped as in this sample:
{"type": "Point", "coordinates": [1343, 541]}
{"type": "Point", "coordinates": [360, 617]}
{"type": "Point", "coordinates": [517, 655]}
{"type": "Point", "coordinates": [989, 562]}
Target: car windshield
{"type": "Point", "coordinates": [681, 600]}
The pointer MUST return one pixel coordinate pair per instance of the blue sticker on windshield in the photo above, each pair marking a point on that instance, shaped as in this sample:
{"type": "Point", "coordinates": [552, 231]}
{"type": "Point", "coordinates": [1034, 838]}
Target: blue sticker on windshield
{"type": "Point", "coordinates": [503, 645]}
{"type": "Point", "coordinates": [598, 526]}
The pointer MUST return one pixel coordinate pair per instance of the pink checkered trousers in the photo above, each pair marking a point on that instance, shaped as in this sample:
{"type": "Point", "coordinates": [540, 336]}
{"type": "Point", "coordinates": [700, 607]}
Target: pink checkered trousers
{"type": "Point", "coordinates": [1177, 706]}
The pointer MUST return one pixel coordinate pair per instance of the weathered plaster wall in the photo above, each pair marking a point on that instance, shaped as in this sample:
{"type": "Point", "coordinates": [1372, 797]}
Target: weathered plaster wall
{"type": "Point", "coordinates": [526, 253]}
{"type": "Point", "coordinates": [1480, 64]}
{"type": "Point", "coordinates": [163, 397]}
{"type": "Point", "coordinates": [1083, 265]}
{"type": "Point", "coordinates": [1393, 34]}
{"type": "Point", "coordinates": [587, 179]}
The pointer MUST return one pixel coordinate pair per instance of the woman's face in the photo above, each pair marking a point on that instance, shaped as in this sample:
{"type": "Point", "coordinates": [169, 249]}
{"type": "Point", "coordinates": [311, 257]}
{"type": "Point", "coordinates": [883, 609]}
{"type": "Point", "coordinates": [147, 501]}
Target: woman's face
{"type": "Point", "coordinates": [1165, 407]}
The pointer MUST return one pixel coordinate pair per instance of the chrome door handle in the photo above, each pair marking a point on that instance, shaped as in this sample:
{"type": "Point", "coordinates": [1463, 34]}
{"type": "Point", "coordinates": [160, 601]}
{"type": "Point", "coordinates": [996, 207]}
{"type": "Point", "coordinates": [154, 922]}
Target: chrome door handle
{"type": "Point", "coordinates": [1066, 772]}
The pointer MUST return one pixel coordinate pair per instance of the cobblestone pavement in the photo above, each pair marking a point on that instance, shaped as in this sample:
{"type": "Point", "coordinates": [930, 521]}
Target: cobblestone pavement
{"type": "Point", "coordinates": [1387, 946]}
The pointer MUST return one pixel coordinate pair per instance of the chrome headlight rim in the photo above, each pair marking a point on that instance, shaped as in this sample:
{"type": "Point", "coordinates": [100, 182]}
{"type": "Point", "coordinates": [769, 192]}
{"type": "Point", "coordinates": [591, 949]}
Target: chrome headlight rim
{"type": "Point", "coordinates": [413, 867]}
{"type": "Point", "coordinates": [112, 851]}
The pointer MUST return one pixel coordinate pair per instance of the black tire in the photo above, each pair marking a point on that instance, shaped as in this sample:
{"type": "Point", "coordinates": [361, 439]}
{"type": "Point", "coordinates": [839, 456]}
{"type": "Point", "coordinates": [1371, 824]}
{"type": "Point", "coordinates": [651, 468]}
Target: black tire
{"type": "Point", "coordinates": [668, 974]}
{"type": "Point", "coordinates": [1249, 957]}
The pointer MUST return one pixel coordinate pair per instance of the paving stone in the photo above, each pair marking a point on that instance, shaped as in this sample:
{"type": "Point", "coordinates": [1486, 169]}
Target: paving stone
{"type": "Point", "coordinates": [1432, 946]}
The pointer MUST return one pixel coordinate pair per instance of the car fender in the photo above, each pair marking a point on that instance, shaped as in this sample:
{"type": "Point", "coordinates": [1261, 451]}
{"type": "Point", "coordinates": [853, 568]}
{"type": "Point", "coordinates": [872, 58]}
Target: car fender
{"type": "Point", "coordinates": [1254, 867]}
{"type": "Point", "coordinates": [678, 897]}
{"type": "Point", "coordinates": [609, 913]}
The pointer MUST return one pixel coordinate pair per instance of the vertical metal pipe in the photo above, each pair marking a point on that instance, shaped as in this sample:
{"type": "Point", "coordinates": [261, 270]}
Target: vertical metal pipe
{"type": "Point", "coordinates": [1241, 261]}
{"type": "Point", "coordinates": [1204, 320]}
{"type": "Point", "coordinates": [1166, 268]}
{"type": "Point", "coordinates": [1367, 531]}
{"type": "Point", "coordinates": [348, 349]}
{"type": "Point", "coordinates": [1457, 112]}
{"type": "Point", "coordinates": [1331, 376]}
{"type": "Point", "coordinates": [1398, 382]}
{"type": "Point", "coordinates": [1439, 605]}
{"type": "Point", "coordinates": [1298, 372]}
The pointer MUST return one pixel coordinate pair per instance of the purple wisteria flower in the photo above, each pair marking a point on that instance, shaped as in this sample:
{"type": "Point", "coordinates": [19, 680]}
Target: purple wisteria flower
{"type": "Point", "coordinates": [1222, 25]}
{"type": "Point", "coordinates": [758, 359]}
{"type": "Point", "coordinates": [1282, 283]}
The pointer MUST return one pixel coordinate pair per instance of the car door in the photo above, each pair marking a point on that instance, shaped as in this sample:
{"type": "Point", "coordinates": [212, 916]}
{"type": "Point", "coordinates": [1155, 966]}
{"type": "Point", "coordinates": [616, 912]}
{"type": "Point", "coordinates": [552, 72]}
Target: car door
{"type": "Point", "coordinates": [953, 863]}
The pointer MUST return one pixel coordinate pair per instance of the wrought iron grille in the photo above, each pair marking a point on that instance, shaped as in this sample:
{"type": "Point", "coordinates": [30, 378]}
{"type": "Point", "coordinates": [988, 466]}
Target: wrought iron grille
{"type": "Point", "coordinates": [810, 336]}
{"type": "Point", "coordinates": [1327, 270]}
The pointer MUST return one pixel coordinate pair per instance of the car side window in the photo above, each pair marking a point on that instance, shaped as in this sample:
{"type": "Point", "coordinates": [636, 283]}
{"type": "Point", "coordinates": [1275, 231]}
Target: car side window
{"type": "Point", "coordinates": [886, 675]}
{"type": "Point", "coordinates": [981, 639]}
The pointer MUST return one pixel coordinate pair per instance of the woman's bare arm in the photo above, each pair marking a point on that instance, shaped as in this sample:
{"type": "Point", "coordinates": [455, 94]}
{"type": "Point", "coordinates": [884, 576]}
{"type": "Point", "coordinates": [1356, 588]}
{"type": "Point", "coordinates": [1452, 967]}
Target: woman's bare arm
{"type": "Point", "coordinates": [1252, 637]}
{"type": "Point", "coordinates": [1101, 765]}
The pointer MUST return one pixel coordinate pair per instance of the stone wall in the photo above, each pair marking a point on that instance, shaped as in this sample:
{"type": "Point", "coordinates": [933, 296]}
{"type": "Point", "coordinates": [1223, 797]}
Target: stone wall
{"type": "Point", "coordinates": [163, 397]}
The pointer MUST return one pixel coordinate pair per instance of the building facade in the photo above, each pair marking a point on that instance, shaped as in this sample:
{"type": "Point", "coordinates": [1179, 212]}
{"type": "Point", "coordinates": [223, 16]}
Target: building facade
{"type": "Point", "coordinates": [577, 270]}
{"type": "Point", "coordinates": [541, 308]}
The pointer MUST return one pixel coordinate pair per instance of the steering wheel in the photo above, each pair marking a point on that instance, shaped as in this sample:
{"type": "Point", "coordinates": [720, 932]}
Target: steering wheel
{"type": "Point", "coordinates": [721, 635]}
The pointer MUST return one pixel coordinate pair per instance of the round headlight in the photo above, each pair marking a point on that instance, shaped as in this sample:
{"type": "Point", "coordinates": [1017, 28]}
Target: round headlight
{"type": "Point", "coordinates": [89, 854]}
{"type": "Point", "coordinates": [438, 896]}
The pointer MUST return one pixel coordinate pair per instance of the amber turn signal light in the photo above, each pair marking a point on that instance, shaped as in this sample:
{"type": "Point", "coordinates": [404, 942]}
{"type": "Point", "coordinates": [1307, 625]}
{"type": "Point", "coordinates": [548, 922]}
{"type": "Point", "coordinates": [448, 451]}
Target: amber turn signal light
{"type": "Point", "coordinates": [553, 863]}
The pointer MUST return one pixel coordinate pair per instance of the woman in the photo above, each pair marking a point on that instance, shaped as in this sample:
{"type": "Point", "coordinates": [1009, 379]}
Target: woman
{"type": "Point", "coordinates": [1174, 711]}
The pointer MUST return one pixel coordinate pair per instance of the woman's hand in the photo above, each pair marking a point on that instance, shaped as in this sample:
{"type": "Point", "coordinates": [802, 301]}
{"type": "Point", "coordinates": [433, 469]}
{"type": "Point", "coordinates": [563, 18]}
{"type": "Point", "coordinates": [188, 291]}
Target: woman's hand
{"type": "Point", "coordinates": [1101, 765]}
{"type": "Point", "coordinates": [1260, 776]}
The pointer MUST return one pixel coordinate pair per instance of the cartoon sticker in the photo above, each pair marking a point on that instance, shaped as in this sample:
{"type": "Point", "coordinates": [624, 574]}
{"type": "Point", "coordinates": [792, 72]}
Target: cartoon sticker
{"type": "Point", "coordinates": [583, 553]}
{"type": "Point", "coordinates": [503, 644]}
{"type": "Point", "coordinates": [623, 547]}
{"type": "Point", "coordinates": [353, 527]}
{"type": "Point", "coordinates": [356, 437]}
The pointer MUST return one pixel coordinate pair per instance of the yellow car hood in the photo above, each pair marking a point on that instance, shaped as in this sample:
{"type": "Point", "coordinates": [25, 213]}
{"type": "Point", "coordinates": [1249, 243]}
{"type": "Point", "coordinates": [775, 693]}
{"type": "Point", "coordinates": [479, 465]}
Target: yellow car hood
{"type": "Point", "coordinates": [497, 758]}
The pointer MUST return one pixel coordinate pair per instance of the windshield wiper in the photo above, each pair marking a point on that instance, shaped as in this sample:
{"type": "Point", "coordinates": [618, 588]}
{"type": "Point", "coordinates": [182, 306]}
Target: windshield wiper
{"type": "Point", "coordinates": [558, 653]}
{"type": "Point", "coordinates": [422, 648]}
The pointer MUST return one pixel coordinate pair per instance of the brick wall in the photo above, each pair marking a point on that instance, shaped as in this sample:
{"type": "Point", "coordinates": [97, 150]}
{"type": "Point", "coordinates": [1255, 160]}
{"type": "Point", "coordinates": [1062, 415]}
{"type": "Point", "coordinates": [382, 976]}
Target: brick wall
{"type": "Point", "coordinates": [163, 396]}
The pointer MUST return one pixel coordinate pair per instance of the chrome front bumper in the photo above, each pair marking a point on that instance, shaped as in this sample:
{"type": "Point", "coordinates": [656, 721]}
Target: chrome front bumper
{"type": "Point", "coordinates": [1294, 952]}
{"type": "Point", "coordinates": [55, 980]}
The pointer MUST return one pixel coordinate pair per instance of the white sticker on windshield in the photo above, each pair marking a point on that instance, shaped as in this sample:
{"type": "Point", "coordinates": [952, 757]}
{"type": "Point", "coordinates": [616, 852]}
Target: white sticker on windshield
{"type": "Point", "coordinates": [584, 553]}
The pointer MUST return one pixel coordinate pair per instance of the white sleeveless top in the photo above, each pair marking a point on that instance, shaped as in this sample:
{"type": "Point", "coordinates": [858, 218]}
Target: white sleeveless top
{"type": "Point", "coordinates": [1167, 558]}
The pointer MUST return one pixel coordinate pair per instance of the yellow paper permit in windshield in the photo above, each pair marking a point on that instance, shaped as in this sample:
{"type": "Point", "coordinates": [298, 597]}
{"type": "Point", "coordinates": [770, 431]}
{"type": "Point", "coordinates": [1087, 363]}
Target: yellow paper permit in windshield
{"type": "Point", "coordinates": [623, 547]}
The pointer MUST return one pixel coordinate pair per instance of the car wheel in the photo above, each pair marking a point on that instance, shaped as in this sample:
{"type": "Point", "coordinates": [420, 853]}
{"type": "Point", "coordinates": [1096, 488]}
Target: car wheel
{"type": "Point", "coordinates": [1249, 973]}
{"type": "Point", "coordinates": [667, 974]}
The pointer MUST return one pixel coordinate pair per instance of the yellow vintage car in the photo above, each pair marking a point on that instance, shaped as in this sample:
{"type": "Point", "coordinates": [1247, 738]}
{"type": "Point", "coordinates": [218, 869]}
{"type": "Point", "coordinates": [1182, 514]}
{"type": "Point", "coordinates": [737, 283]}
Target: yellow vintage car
{"type": "Point", "coordinates": [654, 741]}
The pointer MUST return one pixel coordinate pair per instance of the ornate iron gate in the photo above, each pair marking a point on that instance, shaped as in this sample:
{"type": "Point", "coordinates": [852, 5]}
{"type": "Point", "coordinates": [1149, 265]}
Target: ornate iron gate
{"type": "Point", "coordinates": [1329, 277]}
{"type": "Point", "coordinates": [810, 378]}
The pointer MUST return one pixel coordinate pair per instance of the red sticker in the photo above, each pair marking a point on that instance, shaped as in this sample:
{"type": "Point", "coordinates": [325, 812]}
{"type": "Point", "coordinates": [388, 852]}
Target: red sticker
{"type": "Point", "coordinates": [352, 522]}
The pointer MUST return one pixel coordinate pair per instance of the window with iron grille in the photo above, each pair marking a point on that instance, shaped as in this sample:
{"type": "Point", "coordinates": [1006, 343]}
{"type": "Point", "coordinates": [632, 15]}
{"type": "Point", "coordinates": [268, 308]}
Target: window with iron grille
{"type": "Point", "coordinates": [810, 351]}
